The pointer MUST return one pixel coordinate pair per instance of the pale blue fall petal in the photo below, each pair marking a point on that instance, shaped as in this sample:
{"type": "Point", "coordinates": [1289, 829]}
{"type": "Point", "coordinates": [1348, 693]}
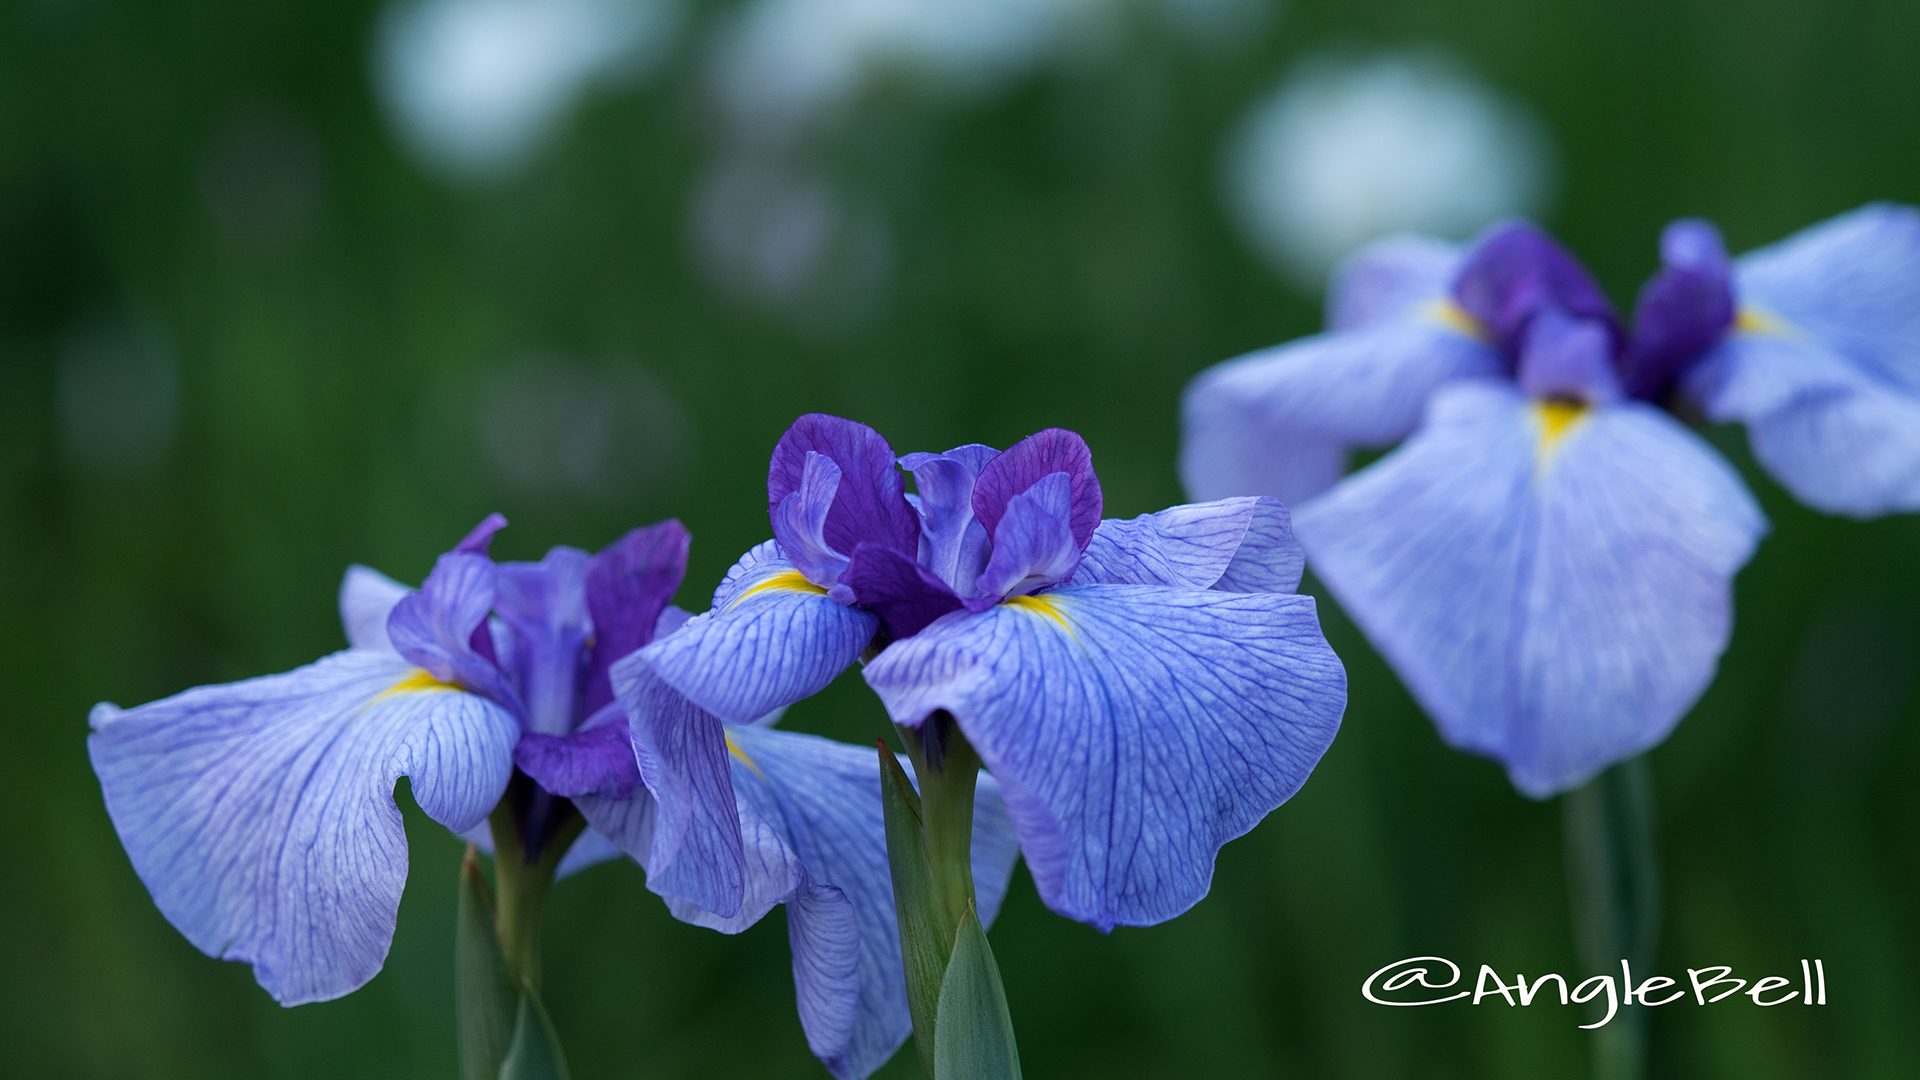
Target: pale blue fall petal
{"type": "Point", "coordinates": [772, 639]}
{"type": "Point", "coordinates": [691, 843]}
{"type": "Point", "coordinates": [1823, 363]}
{"type": "Point", "coordinates": [1390, 279]}
{"type": "Point", "coordinates": [1282, 421]}
{"type": "Point", "coordinates": [1133, 730]}
{"type": "Point", "coordinates": [1237, 545]}
{"type": "Point", "coordinates": [820, 800]}
{"type": "Point", "coordinates": [260, 814]}
{"type": "Point", "coordinates": [1554, 585]}
{"type": "Point", "coordinates": [367, 598]}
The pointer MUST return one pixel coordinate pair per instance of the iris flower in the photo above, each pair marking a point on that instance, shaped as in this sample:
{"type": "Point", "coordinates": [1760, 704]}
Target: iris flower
{"type": "Point", "coordinates": [1143, 690]}
{"type": "Point", "coordinates": [260, 814]}
{"type": "Point", "coordinates": [1547, 559]}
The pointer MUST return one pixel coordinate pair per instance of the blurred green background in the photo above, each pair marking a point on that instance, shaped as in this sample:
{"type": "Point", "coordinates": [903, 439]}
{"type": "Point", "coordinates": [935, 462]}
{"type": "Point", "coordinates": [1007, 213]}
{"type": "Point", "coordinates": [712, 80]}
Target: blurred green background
{"type": "Point", "coordinates": [249, 336]}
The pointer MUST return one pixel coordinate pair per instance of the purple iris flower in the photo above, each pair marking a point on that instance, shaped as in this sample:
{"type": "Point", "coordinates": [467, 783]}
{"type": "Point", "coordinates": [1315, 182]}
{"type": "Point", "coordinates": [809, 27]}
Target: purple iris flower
{"type": "Point", "coordinates": [260, 814]}
{"type": "Point", "coordinates": [1143, 690]}
{"type": "Point", "coordinates": [1547, 559]}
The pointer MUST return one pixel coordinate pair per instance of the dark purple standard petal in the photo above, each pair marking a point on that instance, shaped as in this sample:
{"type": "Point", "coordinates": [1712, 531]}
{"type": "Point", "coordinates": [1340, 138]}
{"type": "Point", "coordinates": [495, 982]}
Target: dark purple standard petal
{"type": "Point", "coordinates": [1033, 546]}
{"type": "Point", "coordinates": [1025, 464]}
{"type": "Point", "coordinates": [1515, 271]}
{"type": "Point", "coordinates": [1684, 310]}
{"type": "Point", "coordinates": [906, 595]}
{"type": "Point", "coordinates": [630, 582]}
{"type": "Point", "coordinates": [870, 503]}
{"type": "Point", "coordinates": [597, 760]}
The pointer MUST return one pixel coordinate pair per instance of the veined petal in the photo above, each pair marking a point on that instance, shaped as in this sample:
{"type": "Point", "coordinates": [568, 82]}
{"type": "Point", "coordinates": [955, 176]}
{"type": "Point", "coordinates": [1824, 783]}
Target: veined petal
{"type": "Point", "coordinates": [1133, 730]}
{"type": "Point", "coordinates": [1553, 585]}
{"type": "Point", "coordinates": [1026, 463]}
{"type": "Point", "coordinates": [819, 800]}
{"type": "Point", "coordinates": [1282, 421]}
{"type": "Point", "coordinates": [1034, 543]}
{"type": "Point", "coordinates": [367, 598]}
{"type": "Point", "coordinates": [1823, 364]}
{"type": "Point", "coordinates": [595, 760]}
{"type": "Point", "coordinates": [953, 544]}
{"type": "Point", "coordinates": [439, 626]}
{"type": "Point", "coordinates": [691, 842]}
{"type": "Point", "coordinates": [630, 585]}
{"type": "Point", "coordinates": [1236, 545]}
{"type": "Point", "coordinates": [905, 595]}
{"type": "Point", "coordinates": [772, 639]}
{"type": "Point", "coordinates": [544, 604]}
{"type": "Point", "coordinates": [260, 814]}
{"type": "Point", "coordinates": [869, 502]}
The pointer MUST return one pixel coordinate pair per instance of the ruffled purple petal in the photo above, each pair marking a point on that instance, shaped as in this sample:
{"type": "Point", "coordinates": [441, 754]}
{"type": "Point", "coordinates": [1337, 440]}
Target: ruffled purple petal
{"type": "Point", "coordinates": [596, 760]}
{"type": "Point", "coordinates": [1025, 464]}
{"type": "Point", "coordinates": [1034, 543]}
{"type": "Point", "coordinates": [630, 585]}
{"type": "Point", "coordinates": [905, 595]}
{"type": "Point", "coordinates": [1682, 311]}
{"type": "Point", "coordinates": [800, 521]}
{"type": "Point", "coordinates": [1516, 270]}
{"type": "Point", "coordinates": [870, 503]}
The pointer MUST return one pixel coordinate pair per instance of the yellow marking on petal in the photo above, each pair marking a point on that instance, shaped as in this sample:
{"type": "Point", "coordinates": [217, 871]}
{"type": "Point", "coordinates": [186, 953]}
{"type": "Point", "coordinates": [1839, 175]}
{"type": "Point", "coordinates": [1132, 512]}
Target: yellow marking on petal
{"type": "Point", "coordinates": [1044, 606]}
{"type": "Point", "coordinates": [784, 581]}
{"type": "Point", "coordinates": [741, 756]}
{"type": "Point", "coordinates": [1454, 317]}
{"type": "Point", "coordinates": [416, 681]}
{"type": "Point", "coordinates": [1752, 320]}
{"type": "Point", "coordinates": [1556, 417]}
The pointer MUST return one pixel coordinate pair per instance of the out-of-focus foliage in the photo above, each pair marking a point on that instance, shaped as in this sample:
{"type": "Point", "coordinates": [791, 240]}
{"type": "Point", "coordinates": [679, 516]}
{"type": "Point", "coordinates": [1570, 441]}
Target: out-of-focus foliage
{"type": "Point", "coordinates": [247, 336]}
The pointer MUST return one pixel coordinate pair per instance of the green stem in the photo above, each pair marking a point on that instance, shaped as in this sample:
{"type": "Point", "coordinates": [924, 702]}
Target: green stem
{"type": "Point", "coordinates": [1613, 880]}
{"type": "Point", "coordinates": [946, 814]}
{"type": "Point", "coordinates": [521, 887]}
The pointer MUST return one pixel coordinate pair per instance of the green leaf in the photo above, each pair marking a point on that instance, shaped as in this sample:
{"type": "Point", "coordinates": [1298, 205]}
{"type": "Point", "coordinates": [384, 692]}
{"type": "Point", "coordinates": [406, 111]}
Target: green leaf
{"type": "Point", "coordinates": [535, 1053]}
{"type": "Point", "coordinates": [973, 1035]}
{"type": "Point", "coordinates": [483, 998]}
{"type": "Point", "coordinates": [925, 938]}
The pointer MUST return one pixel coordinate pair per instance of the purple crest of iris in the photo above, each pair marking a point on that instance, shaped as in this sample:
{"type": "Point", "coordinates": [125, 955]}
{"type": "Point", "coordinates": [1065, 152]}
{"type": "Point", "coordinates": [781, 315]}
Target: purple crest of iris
{"type": "Point", "coordinates": [260, 814]}
{"type": "Point", "coordinates": [1547, 558]}
{"type": "Point", "coordinates": [1143, 690]}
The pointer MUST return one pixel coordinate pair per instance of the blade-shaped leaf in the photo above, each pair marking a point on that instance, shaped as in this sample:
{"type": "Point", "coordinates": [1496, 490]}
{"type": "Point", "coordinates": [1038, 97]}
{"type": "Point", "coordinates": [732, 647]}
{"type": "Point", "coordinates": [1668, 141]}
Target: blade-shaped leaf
{"type": "Point", "coordinates": [924, 943]}
{"type": "Point", "coordinates": [535, 1053]}
{"type": "Point", "coordinates": [483, 999]}
{"type": "Point", "coordinates": [973, 1035]}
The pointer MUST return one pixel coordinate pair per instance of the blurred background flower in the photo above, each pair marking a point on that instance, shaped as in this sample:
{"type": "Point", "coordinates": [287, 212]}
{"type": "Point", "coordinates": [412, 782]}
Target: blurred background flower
{"type": "Point", "coordinates": [475, 86]}
{"type": "Point", "coordinates": [287, 287]}
{"type": "Point", "coordinates": [1349, 148]}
